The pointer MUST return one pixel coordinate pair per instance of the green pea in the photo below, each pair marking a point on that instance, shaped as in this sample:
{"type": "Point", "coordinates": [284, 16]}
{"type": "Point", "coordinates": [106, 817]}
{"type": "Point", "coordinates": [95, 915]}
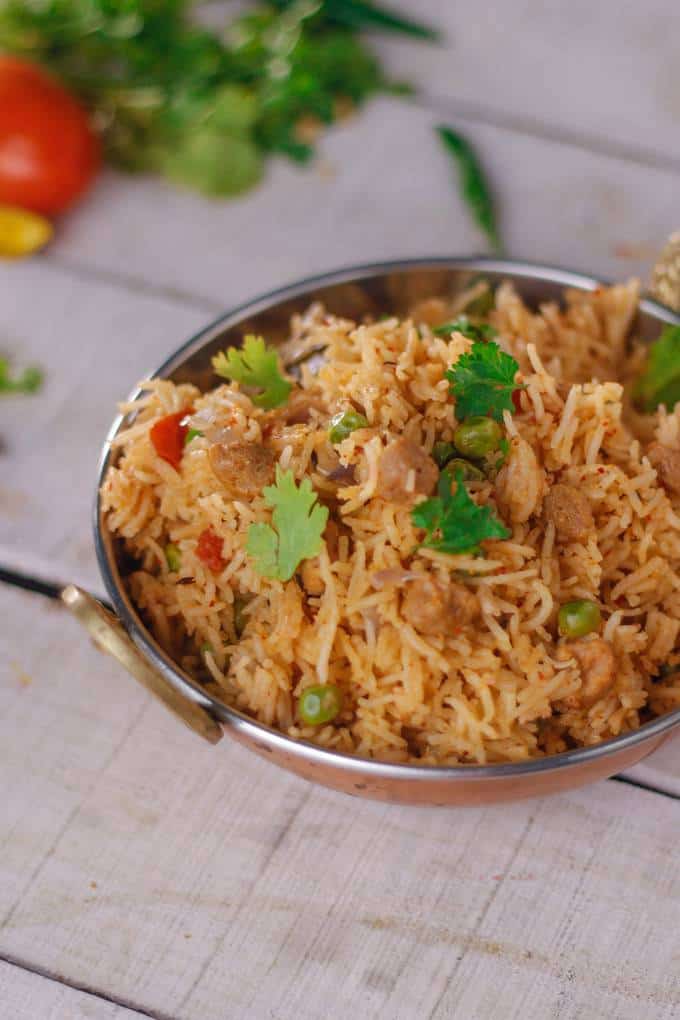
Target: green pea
{"type": "Point", "coordinates": [442, 453]}
{"type": "Point", "coordinates": [344, 423]}
{"type": "Point", "coordinates": [319, 704]}
{"type": "Point", "coordinates": [470, 472]}
{"type": "Point", "coordinates": [192, 434]}
{"type": "Point", "coordinates": [477, 436]}
{"type": "Point", "coordinates": [578, 618]}
{"type": "Point", "coordinates": [173, 557]}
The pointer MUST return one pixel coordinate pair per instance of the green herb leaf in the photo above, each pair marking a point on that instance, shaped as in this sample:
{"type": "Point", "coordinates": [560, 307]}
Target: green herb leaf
{"type": "Point", "coordinates": [298, 524]}
{"type": "Point", "coordinates": [255, 366]}
{"type": "Point", "coordinates": [453, 522]}
{"type": "Point", "coordinates": [473, 331]}
{"type": "Point", "coordinates": [30, 380]}
{"type": "Point", "coordinates": [484, 302]}
{"type": "Point", "coordinates": [473, 184]}
{"type": "Point", "coordinates": [660, 380]}
{"type": "Point", "coordinates": [483, 381]}
{"type": "Point", "coordinates": [360, 14]}
{"type": "Point", "coordinates": [214, 163]}
{"type": "Point", "coordinates": [262, 545]}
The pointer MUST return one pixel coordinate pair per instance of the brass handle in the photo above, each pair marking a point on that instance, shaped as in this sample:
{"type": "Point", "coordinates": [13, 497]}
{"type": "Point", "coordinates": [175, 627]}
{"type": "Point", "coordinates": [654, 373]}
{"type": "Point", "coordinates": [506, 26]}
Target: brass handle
{"type": "Point", "coordinates": [109, 636]}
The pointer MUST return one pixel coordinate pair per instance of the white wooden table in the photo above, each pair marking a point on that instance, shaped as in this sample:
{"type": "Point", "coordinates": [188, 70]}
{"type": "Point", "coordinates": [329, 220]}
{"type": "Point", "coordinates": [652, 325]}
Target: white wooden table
{"type": "Point", "coordinates": [143, 874]}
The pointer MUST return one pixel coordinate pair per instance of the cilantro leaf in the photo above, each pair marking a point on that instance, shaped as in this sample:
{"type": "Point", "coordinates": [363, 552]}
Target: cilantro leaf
{"type": "Point", "coordinates": [30, 380]}
{"type": "Point", "coordinates": [298, 525]}
{"type": "Point", "coordinates": [484, 331]}
{"type": "Point", "coordinates": [453, 522]}
{"type": "Point", "coordinates": [262, 545]}
{"type": "Point", "coordinates": [255, 366]}
{"type": "Point", "coordinates": [660, 380]}
{"type": "Point", "coordinates": [483, 381]}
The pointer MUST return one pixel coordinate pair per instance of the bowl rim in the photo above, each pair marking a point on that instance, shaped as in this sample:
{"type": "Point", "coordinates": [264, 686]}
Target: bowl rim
{"type": "Point", "coordinates": [266, 738]}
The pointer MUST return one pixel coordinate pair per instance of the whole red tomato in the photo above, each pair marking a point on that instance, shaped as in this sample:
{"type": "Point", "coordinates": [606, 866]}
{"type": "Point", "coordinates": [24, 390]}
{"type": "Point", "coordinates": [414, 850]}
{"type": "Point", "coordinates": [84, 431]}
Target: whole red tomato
{"type": "Point", "coordinates": [48, 151]}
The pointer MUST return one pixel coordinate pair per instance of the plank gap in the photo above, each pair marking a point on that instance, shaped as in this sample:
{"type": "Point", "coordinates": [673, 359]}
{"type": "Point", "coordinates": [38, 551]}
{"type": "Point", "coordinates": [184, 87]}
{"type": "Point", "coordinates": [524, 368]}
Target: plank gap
{"type": "Point", "coordinates": [132, 284]}
{"type": "Point", "coordinates": [37, 585]}
{"type": "Point", "coordinates": [645, 787]}
{"type": "Point", "coordinates": [78, 986]}
{"type": "Point", "coordinates": [537, 129]}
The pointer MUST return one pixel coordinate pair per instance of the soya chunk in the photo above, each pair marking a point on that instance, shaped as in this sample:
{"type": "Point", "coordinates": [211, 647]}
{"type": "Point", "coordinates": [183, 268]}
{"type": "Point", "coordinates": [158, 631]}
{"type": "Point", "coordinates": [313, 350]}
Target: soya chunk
{"type": "Point", "coordinates": [405, 472]}
{"type": "Point", "coordinates": [568, 509]}
{"type": "Point", "coordinates": [434, 608]}
{"type": "Point", "coordinates": [667, 464]}
{"type": "Point", "coordinates": [596, 660]}
{"type": "Point", "coordinates": [243, 468]}
{"type": "Point", "coordinates": [520, 483]}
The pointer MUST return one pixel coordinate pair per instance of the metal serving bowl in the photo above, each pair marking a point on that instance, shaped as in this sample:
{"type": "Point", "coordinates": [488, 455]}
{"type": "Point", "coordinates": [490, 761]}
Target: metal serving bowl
{"type": "Point", "coordinates": [355, 292]}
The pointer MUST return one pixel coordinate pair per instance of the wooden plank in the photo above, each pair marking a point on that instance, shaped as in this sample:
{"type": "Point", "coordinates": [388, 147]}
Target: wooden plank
{"type": "Point", "coordinates": [201, 882]}
{"type": "Point", "coordinates": [28, 996]}
{"type": "Point", "coordinates": [391, 193]}
{"type": "Point", "coordinates": [606, 73]}
{"type": "Point", "coordinates": [661, 770]}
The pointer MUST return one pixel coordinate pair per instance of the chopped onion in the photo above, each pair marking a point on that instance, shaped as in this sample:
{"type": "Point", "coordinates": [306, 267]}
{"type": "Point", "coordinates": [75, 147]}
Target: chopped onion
{"type": "Point", "coordinates": [393, 576]}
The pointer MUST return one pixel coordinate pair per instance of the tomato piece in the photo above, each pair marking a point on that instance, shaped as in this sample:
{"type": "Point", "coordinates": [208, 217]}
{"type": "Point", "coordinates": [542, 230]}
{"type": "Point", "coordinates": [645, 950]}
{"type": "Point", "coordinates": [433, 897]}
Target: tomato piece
{"type": "Point", "coordinates": [209, 550]}
{"type": "Point", "coordinates": [48, 151]}
{"type": "Point", "coordinates": [167, 436]}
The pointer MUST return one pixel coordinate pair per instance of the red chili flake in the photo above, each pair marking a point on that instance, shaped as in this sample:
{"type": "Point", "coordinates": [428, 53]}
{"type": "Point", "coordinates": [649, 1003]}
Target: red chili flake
{"type": "Point", "coordinates": [516, 399]}
{"type": "Point", "coordinates": [167, 436]}
{"type": "Point", "coordinates": [600, 471]}
{"type": "Point", "coordinates": [209, 550]}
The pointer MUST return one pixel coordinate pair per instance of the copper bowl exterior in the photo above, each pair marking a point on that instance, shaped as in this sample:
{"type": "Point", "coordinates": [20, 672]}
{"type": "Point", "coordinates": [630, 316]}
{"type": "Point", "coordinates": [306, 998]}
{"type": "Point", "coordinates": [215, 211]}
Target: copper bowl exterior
{"type": "Point", "coordinates": [355, 292]}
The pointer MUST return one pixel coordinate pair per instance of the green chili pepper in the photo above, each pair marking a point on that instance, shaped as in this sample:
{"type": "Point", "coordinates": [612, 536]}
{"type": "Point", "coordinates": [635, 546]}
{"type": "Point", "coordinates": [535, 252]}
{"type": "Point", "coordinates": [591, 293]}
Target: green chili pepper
{"type": "Point", "coordinates": [344, 423]}
{"type": "Point", "coordinates": [473, 185]}
{"type": "Point", "coordinates": [319, 704]}
{"type": "Point", "coordinates": [173, 557]}
{"type": "Point", "coordinates": [362, 15]}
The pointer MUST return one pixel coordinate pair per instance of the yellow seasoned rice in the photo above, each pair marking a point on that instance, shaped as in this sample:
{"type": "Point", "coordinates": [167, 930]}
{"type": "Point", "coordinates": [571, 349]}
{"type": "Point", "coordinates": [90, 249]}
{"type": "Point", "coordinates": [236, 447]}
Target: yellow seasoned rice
{"type": "Point", "coordinates": [503, 688]}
